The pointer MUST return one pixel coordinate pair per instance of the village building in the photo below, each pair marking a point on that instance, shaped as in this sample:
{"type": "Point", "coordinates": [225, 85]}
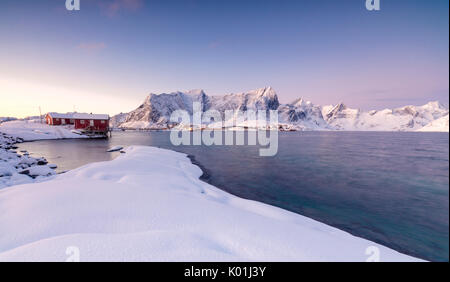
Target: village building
{"type": "Point", "coordinates": [93, 123]}
{"type": "Point", "coordinates": [59, 119]}
{"type": "Point", "coordinates": [86, 123]}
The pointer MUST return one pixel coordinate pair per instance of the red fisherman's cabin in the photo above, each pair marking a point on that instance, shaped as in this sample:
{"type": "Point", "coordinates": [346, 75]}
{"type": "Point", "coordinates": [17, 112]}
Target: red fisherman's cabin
{"type": "Point", "coordinates": [85, 123]}
{"type": "Point", "coordinates": [92, 123]}
{"type": "Point", "coordinates": [59, 119]}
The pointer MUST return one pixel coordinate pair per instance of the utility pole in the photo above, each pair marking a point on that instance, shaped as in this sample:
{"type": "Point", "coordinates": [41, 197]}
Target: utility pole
{"type": "Point", "coordinates": [40, 114]}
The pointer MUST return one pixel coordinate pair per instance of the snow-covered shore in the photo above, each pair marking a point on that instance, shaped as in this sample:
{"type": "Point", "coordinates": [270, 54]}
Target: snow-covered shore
{"type": "Point", "coordinates": [149, 205]}
{"type": "Point", "coordinates": [30, 130]}
{"type": "Point", "coordinates": [19, 167]}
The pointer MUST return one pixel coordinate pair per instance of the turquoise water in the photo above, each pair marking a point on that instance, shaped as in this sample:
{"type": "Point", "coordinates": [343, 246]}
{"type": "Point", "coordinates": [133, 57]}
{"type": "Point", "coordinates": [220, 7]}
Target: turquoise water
{"type": "Point", "coordinates": [392, 188]}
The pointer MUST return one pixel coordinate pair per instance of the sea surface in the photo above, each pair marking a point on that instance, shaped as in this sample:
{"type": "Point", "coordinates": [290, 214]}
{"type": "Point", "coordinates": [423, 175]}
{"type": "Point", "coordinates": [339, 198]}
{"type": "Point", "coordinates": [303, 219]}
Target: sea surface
{"type": "Point", "coordinates": [388, 187]}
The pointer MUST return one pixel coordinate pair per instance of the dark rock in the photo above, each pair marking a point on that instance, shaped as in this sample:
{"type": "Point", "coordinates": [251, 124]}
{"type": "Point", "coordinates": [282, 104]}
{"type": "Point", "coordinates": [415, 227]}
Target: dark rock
{"type": "Point", "coordinates": [26, 172]}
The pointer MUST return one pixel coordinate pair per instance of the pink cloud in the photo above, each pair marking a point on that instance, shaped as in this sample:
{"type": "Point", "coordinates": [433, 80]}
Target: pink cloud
{"type": "Point", "coordinates": [91, 46]}
{"type": "Point", "coordinates": [112, 7]}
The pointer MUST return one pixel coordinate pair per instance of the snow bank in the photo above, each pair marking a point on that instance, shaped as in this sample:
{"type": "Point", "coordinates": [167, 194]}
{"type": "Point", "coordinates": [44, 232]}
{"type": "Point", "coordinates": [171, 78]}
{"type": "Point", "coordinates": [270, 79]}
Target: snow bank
{"type": "Point", "coordinates": [149, 205]}
{"type": "Point", "coordinates": [30, 130]}
{"type": "Point", "coordinates": [19, 168]}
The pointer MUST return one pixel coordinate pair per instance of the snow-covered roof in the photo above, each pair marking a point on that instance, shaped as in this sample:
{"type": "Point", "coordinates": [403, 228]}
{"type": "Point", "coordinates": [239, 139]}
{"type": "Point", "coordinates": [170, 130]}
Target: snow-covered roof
{"type": "Point", "coordinates": [90, 116]}
{"type": "Point", "coordinates": [59, 115]}
{"type": "Point", "coordinates": [79, 116]}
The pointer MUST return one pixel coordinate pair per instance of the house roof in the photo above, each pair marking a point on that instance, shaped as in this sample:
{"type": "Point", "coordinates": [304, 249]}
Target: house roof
{"type": "Point", "coordinates": [79, 116]}
{"type": "Point", "coordinates": [59, 115]}
{"type": "Point", "coordinates": [90, 116]}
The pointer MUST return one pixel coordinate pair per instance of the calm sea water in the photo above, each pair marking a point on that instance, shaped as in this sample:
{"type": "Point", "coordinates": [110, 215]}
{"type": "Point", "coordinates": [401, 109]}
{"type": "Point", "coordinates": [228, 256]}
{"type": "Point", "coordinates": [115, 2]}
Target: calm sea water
{"type": "Point", "coordinates": [391, 188]}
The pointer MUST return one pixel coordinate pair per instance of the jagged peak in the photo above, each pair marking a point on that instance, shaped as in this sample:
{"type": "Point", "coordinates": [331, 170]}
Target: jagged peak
{"type": "Point", "coordinates": [267, 91]}
{"type": "Point", "coordinates": [436, 105]}
{"type": "Point", "coordinates": [297, 102]}
{"type": "Point", "coordinates": [301, 102]}
{"type": "Point", "coordinates": [339, 107]}
{"type": "Point", "coordinates": [196, 92]}
{"type": "Point", "coordinates": [193, 92]}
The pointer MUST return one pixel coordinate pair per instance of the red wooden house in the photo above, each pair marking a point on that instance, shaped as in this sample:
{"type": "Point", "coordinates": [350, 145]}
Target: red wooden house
{"type": "Point", "coordinates": [92, 123]}
{"type": "Point", "coordinates": [59, 119]}
{"type": "Point", "coordinates": [87, 123]}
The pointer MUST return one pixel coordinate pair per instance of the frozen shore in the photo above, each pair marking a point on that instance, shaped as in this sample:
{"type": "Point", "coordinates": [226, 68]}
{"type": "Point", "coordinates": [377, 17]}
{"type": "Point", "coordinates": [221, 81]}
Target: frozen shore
{"type": "Point", "coordinates": [31, 130]}
{"type": "Point", "coordinates": [149, 205]}
{"type": "Point", "coordinates": [19, 167]}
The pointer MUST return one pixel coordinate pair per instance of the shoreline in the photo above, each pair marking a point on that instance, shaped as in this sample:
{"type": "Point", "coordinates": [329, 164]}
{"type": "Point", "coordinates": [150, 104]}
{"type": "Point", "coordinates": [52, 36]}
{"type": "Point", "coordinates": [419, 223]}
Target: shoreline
{"type": "Point", "coordinates": [19, 167]}
{"type": "Point", "coordinates": [192, 172]}
{"type": "Point", "coordinates": [255, 129]}
{"type": "Point", "coordinates": [206, 178]}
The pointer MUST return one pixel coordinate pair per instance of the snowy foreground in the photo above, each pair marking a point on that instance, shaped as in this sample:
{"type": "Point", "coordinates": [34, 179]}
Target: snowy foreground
{"type": "Point", "coordinates": [149, 205]}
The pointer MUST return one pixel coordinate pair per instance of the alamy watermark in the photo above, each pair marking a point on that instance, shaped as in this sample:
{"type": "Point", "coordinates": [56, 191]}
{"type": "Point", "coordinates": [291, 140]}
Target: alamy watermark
{"type": "Point", "coordinates": [226, 129]}
{"type": "Point", "coordinates": [73, 254]}
{"type": "Point", "coordinates": [373, 253]}
{"type": "Point", "coordinates": [72, 5]}
{"type": "Point", "coordinates": [373, 5]}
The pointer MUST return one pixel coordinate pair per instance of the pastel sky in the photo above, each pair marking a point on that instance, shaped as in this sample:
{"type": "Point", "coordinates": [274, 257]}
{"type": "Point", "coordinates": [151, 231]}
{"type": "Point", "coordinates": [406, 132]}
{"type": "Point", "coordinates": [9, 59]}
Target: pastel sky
{"type": "Point", "coordinates": [108, 56]}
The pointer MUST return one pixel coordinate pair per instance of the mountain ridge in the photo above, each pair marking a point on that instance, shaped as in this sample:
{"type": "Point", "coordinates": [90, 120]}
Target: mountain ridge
{"type": "Point", "coordinates": [155, 111]}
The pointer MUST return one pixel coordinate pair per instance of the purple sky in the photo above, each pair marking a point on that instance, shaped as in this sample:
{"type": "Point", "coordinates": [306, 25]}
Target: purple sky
{"type": "Point", "coordinates": [109, 55]}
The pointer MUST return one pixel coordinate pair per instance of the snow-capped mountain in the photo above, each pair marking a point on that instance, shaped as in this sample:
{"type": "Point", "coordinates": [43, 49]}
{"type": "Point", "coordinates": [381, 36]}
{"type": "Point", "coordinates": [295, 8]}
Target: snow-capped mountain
{"type": "Point", "coordinates": [438, 125]}
{"type": "Point", "coordinates": [302, 115]}
{"type": "Point", "coordinates": [408, 118]}
{"type": "Point", "coordinates": [260, 99]}
{"type": "Point", "coordinates": [155, 111]}
{"type": "Point", "coordinates": [118, 119]}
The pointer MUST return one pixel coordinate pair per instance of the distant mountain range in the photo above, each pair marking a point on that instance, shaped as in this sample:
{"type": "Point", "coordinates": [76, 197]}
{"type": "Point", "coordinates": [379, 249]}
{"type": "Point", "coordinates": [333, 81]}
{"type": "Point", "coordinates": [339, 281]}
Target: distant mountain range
{"type": "Point", "coordinates": [155, 113]}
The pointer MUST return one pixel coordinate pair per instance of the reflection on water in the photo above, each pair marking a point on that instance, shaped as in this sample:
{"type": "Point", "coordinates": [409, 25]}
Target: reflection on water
{"type": "Point", "coordinates": [391, 188]}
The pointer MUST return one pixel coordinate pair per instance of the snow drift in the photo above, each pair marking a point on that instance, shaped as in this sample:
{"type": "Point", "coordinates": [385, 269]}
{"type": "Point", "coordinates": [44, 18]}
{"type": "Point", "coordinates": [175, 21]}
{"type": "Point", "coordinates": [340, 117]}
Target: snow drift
{"type": "Point", "coordinates": [149, 205]}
